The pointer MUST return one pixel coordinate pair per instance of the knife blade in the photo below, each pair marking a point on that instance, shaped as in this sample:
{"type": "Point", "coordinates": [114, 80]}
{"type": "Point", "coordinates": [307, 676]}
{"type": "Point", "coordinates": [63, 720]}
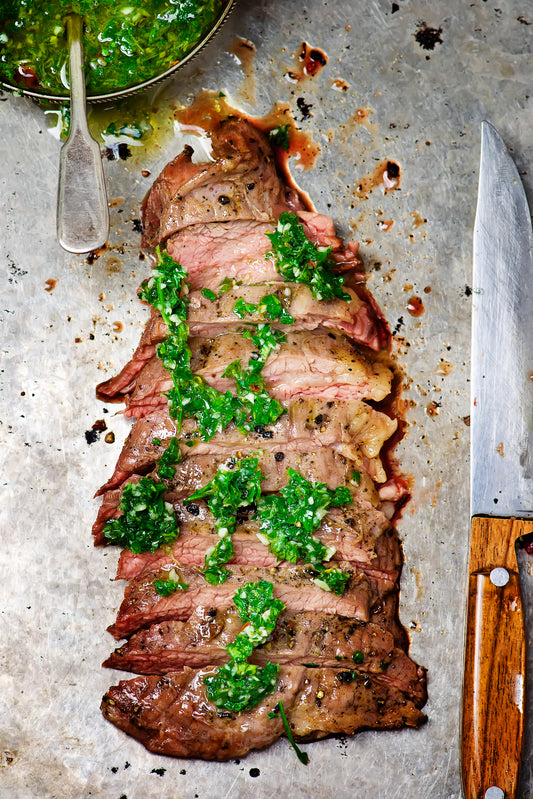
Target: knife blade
{"type": "Point", "coordinates": [501, 476]}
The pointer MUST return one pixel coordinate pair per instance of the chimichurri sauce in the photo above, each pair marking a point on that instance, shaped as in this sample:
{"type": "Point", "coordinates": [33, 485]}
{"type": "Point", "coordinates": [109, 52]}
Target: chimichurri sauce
{"type": "Point", "coordinates": [126, 41]}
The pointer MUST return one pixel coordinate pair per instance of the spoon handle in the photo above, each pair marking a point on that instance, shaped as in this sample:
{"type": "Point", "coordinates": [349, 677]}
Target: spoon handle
{"type": "Point", "coordinates": [82, 211]}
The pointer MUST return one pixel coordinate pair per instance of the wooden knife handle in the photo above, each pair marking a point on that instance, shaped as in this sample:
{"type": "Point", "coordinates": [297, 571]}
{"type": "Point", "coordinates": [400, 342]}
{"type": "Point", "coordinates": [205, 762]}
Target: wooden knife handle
{"type": "Point", "coordinates": [495, 663]}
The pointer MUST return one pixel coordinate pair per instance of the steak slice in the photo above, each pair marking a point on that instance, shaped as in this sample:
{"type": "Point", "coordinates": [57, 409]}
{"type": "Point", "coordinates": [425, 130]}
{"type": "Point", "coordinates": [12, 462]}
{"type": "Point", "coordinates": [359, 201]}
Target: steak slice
{"type": "Point", "coordinates": [353, 429]}
{"type": "Point", "coordinates": [323, 465]}
{"type": "Point", "coordinates": [172, 715]}
{"type": "Point", "coordinates": [242, 183]}
{"type": "Point", "coordinates": [355, 318]}
{"type": "Point", "coordinates": [293, 584]}
{"type": "Point", "coordinates": [207, 318]}
{"type": "Point", "coordinates": [360, 534]}
{"type": "Point", "coordinates": [300, 638]}
{"type": "Point", "coordinates": [311, 363]}
{"type": "Point", "coordinates": [237, 250]}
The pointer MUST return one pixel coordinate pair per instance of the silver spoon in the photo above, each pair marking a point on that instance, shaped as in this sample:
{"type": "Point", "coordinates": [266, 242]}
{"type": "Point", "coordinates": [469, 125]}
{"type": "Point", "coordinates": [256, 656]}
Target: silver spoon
{"type": "Point", "coordinates": [82, 211]}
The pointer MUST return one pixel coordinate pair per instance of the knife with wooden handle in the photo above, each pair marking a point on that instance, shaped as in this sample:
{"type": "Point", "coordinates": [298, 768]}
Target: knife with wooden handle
{"type": "Point", "coordinates": [501, 477]}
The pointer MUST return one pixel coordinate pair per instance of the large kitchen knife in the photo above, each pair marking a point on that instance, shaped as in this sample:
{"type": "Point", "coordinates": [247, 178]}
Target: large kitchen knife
{"type": "Point", "coordinates": [501, 476]}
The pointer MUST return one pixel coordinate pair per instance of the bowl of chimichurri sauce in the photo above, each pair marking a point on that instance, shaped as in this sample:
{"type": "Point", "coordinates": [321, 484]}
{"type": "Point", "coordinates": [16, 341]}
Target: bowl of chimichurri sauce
{"type": "Point", "coordinates": [128, 44]}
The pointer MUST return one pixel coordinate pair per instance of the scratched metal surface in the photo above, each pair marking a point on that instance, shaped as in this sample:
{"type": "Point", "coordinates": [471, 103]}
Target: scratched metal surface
{"type": "Point", "coordinates": [57, 593]}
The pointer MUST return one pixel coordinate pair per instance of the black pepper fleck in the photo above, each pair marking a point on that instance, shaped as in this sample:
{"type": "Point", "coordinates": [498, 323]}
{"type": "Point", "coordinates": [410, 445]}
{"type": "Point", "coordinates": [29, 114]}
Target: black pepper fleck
{"type": "Point", "coordinates": [254, 772]}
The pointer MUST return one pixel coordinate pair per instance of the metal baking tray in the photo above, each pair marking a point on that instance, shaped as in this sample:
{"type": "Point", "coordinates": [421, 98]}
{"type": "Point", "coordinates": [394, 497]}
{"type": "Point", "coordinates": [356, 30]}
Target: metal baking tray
{"type": "Point", "coordinates": [68, 322]}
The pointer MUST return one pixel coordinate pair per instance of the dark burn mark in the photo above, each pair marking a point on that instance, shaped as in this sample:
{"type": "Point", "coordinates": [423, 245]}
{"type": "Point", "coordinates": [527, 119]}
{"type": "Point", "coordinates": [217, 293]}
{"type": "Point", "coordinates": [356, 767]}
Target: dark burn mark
{"type": "Point", "coordinates": [399, 325]}
{"type": "Point", "coordinates": [91, 436]}
{"type": "Point", "coordinates": [158, 771]}
{"type": "Point", "coordinates": [428, 37]}
{"type": "Point", "coordinates": [254, 772]}
{"type": "Point", "coordinates": [522, 20]}
{"type": "Point", "coordinates": [395, 8]}
{"type": "Point", "coordinates": [279, 456]}
{"type": "Point", "coordinates": [393, 170]}
{"type": "Point", "coordinates": [468, 291]}
{"type": "Point", "coordinates": [304, 108]}
{"type": "Point", "coordinates": [137, 226]}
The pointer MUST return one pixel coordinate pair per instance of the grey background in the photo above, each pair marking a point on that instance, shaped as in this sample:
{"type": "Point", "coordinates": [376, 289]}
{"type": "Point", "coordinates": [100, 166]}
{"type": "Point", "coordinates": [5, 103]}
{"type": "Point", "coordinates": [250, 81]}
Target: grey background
{"type": "Point", "coordinates": [57, 593]}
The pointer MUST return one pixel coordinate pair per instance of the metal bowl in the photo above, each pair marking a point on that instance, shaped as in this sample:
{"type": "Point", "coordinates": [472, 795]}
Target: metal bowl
{"type": "Point", "coordinates": [120, 93]}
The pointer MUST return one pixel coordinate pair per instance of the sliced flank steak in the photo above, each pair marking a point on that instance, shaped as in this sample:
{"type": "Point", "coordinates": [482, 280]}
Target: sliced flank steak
{"type": "Point", "coordinates": [299, 638]}
{"type": "Point", "coordinates": [172, 714]}
{"type": "Point", "coordinates": [294, 584]}
{"type": "Point", "coordinates": [353, 429]}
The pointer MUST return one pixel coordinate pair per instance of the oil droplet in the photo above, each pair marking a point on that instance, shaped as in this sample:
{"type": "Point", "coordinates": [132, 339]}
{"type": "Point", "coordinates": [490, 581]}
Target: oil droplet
{"type": "Point", "coordinates": [244, 51]}
{"type": "Point", "coordinates": [118, 327]}
{"type": "Point", "coordinates": [433, 408]}
{"type": "Point", "coordinates": [418, 219]}
{"type": "Point", "coordinates": [309, 62]}
{"type": "Point", "coordinates": [50, 284]}
{"type": "Point", "coordinates": [386, 174]}
{"type": "Point", "coordinates": [415, 306]}
{"type": "Point", "coordinates": [385, 224]}
{"type": "Point", "coordinates": [340, 85]}
{"type": "Point", "coordinates": [427, 289]}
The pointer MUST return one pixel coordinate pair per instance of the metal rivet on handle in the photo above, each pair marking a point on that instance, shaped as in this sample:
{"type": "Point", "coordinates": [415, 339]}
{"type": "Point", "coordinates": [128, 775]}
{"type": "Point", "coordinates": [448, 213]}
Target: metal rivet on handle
{"type": "Point", "coordinates": [494, 792]}
{"type": "Point", "coordinates": [498, 577]}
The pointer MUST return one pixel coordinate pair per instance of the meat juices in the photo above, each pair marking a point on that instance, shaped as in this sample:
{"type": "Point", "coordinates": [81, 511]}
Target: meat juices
{"type": "Point", "coordinates": [344, 663]}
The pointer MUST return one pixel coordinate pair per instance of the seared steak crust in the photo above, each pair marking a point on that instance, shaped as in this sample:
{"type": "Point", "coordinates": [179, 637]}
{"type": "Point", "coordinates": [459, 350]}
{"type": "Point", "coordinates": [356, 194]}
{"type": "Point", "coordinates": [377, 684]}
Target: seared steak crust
{"type": "Point", "coordinates": [172, 715]}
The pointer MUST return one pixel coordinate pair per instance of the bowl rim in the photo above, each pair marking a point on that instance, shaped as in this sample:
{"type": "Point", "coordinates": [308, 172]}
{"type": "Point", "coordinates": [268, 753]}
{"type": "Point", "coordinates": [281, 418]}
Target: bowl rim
{"type": "Point", "coordinates": [121, 93]}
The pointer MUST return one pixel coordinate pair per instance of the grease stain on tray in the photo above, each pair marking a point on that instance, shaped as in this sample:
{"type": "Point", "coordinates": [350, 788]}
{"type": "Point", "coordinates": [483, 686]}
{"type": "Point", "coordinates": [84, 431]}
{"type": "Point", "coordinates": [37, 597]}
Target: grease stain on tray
{"type": "Point", "coordinates": [309, 61]}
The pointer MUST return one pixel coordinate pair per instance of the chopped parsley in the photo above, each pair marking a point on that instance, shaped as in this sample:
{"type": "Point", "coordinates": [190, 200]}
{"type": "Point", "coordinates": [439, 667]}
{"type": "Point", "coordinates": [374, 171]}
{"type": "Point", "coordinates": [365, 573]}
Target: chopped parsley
{"type": "Point", "coordinates": [280, 136]}
{"type": "Point", "coordinates": [166, 463]}
{"type": "Point", "coordinates": [251, 391]}
{"type": "Point", "coordinates": [209, 295]}
{"type": "Point", "coordinates": [287, 521]}
{"type": "Point", "coordinates": [235, 486]}
{"type": "Point", "coordinates": [259, 611]}
{"type": "Point", "coordinates": [268, 306]}
{"type": "Point", "coordinates": [191, 396]}
{"type": "Point", "coordinates": [297, 259]}
{"type": "Point", "coordinates": [166, 587]}
{"type": "Point", "coordinates": [356, 476]}
{"type": "Point", "coordinates": [239, 685]}
{"type": "Point", "coordinates": [272, 308]}
{"type": "Point", "coordinates": [225, 285]}
{"type": "Point", "coordinates": [243, 308]}
{"type": "Point", "coordinates": [147, 522]}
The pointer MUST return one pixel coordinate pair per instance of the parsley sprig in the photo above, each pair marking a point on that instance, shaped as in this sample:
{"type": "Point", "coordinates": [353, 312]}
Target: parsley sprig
{"type": "Point", "coordinates": [297, 259]}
